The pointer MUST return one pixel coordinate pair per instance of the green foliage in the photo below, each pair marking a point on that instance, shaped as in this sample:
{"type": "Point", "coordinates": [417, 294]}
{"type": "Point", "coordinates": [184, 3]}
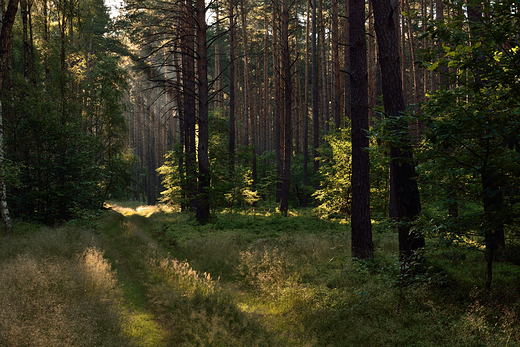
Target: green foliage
{"type": "Point", "coordinates": [172, 193]}
{"type": "Point", "coordinates": [472, 129]}
{"type": "Point", "coordinates": [66, 129]}
{"type": "Point", "coordinates": [335, 171]}
{"type": "Point", "coordinates": [227, 190]}
{"type": "Point", "coordinates": [379, 167]}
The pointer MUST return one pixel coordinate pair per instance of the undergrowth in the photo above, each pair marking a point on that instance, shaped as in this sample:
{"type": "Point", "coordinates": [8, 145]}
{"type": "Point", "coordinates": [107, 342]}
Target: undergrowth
{"type": "Point", "coordinates": [151, 276]}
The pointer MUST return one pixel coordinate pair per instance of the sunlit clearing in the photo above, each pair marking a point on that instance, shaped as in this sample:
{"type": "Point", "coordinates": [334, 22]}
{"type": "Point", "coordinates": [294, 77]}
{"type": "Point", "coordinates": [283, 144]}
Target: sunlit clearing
{"type": "Point", "coordinates": [144, 210]}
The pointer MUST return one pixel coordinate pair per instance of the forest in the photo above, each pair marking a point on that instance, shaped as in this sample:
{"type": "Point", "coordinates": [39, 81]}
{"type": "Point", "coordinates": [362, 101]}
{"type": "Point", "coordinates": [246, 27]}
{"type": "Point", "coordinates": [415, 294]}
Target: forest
{"type": "Point", "coordinates": [259, 173]}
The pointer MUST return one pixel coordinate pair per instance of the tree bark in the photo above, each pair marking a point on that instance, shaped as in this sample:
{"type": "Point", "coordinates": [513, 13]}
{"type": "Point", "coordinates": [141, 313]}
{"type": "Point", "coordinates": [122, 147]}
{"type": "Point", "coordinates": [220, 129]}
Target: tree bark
{"type": "Point", "coordinates": [277, 109]}
{"type": "Point", "coordinates": [346, 53]}
{"type": "Point", "coordinates": [372, 67]}
{"type": "Point", "coordinates": [203, 97]}
{"type": "Point", "coordinates": [324, 74]}
{"type": "Point", "coordinates": [336, 84]}
{"type": "Point", "coordinates": [306, 112]}
{"type": "Point", "coordinates": [232, 131]}
{"type": "Point", "coordinates": [315, 98]}
{"type": "Point", "coordinates": [362, 245]}
{"type": "Point", "coordinates": [248, 97]}
{"type": "Point", "coordinates": [189, 108]}
{"type": "Point", "coordinates": [219, 103]}
{"type": "Point", "coordinates": [286, 63]}
{"type": "Point", "coordinates": [5, 45]}
{"type": "Point", "coordinates": [403, 183]}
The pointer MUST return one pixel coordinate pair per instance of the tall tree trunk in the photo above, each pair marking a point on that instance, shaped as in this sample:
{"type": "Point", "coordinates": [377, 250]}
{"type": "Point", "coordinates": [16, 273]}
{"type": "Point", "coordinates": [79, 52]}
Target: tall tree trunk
{"type": "Point", "coordinates": [46, 35]}
{"type": "Point", "coordinates": [416, 94]}
{"type": "Point", "coordinates": [150, 155]}
{"type": "Point", "coordinates": [5, 45]}
{"type": "Point", "coordinates": [336, 84]}
{"type": "Point", "coordinates": [324, 74]}
{"type": "Point", "coordinates": [286, 63]}
{"type": "Point", "coordinates": [297, 102]}
{"type": "Point", "coordinates": [315, 98]}
{"type": "Point", "coordinates": [232, 132]}
{"type": "Point", "coordinates": [277, 109]}
{"type": "Point", "coordinates": [218, 80]}
{"type": "Point", "coordinates": [402, 37]}
{"type": "Point", "coordinates": [265, 101]}
{"type": "Point", "coordinates": [372, 67]}
{"type": "Point", "coordinates": [346, 53]}
{"type": "Point", "coordinates": [306, 112]}
{"type": "Point", "coordinates": [248, 97]}
{"type": "Point", "coordinates": [25, 7]}
{"type": "Point", "coordinates": [362, 245]}
{"type": "Point", "coordinates": [203, 152]}
{"type": "Point", "coordinates": [188, 76]}
{"type": "Point", "coordinates": [403, 183]}
{"type": "Point", "coordinates": [415, 69]}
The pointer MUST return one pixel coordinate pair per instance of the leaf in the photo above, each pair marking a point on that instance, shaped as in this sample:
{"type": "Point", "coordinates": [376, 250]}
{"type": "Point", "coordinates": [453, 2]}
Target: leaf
{"type": "Point", "coordinates": [452, 64]}
{"type": "Point", "coordinates": [433, 66]}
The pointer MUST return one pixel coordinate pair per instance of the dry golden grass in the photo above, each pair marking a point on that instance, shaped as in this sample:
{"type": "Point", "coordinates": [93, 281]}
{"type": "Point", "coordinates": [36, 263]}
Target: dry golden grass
{"type": "Point", "coordinates": [58, 289]}
{"type": "Point", "coordinates": [56, 301]}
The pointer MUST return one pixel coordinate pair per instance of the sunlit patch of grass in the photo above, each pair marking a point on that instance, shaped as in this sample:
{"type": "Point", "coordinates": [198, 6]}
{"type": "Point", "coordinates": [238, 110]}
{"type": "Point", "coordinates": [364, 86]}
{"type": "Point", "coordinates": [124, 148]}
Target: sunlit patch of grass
{"type": "Point", "coordinates": [131, 208]}
{"type": "Point", "coordinates": [142, 329]}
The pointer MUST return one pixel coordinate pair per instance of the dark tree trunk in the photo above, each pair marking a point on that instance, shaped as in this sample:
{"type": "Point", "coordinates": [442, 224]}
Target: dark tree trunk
{"type": "Point", "coordinates": [277, 109]}
{"type": "Point", "coordinates": [492, 198]}
{"type": "Point", "coordinates": [5, 45]}
{"type": "Point", "coordinates": [362, 245]}
{"type": "Point", "coordinates": [265, 101]}
{"type": "Point", "coordinates": [188, 91]}
{"type": "Point", "coordinates": [336, 84]}
{"type": "Point", "coordinates": [232, 96]}
{"type": "Point", "coordinates": [29, 74]}
{"type": "Point", "coordinates": [286, 63]}
{"type": "Point", "coordinates": [403, 184]}
{"type": "Point", "coordinates": [346, 53]}
{"type": "Point", "coordinates": [248, 97]}
{"type": "Point", "coordinates": [219, 104]}
{"type": "Point", "coordinates": [306, 113]}
{"type": "Point", "coordinates": [203, 154]}
{"type": "Point", "coordinates": [324, 74]}
{"type": "Point", "coordinates": [315, 98]}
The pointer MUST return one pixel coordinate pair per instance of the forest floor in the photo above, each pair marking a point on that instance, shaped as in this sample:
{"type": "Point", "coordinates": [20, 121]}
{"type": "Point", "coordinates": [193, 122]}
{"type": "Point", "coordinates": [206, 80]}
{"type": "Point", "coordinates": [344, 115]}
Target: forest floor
{"type": "Point", "coordinates": [150, 276]}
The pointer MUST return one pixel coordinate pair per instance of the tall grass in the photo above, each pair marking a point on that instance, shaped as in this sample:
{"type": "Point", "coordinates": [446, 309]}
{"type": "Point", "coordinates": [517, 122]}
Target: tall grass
{"type": "Point", "coordinates": [150, 276]}
{"type": "Point", "coordinates": [56, 289]}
